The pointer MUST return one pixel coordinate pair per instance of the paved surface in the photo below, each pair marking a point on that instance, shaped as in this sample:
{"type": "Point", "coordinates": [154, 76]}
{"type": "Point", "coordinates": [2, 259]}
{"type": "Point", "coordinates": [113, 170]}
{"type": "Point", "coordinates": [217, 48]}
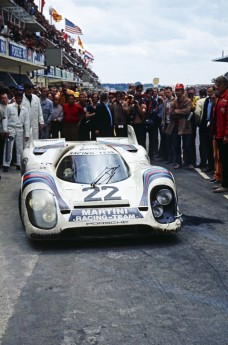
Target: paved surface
{"type": "Point", "coordinates": [162, 290]}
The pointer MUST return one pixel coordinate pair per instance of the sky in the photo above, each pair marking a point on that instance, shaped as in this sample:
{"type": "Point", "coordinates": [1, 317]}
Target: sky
{"type": "Point", "coordinates": [139, 40]}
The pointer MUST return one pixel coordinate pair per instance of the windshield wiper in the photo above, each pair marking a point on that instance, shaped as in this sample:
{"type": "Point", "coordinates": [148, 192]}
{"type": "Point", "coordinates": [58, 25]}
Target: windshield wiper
{"type": "Point", "coordinates": [109, 172]}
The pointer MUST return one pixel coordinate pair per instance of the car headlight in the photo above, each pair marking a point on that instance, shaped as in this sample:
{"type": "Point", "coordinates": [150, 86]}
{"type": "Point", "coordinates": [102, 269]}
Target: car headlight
{"type": "Point", "coordinates": [41, 209]}
{"type": "Point", "coordinates": [164, 197]}
{"type": "Point", "coordinates": [157, 211]}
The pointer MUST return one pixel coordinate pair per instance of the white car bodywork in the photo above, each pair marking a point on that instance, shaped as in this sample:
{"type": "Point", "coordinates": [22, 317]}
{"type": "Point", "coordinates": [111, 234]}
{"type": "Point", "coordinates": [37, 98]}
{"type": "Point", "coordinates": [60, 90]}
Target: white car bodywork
{"type": "Point", "coordinates": [53, 205]}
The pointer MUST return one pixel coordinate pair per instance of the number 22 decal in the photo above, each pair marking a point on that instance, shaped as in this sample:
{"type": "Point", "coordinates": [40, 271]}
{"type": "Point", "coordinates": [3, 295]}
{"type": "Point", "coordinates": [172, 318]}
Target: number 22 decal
{"type": "Point", "coordinates": [94, 195]}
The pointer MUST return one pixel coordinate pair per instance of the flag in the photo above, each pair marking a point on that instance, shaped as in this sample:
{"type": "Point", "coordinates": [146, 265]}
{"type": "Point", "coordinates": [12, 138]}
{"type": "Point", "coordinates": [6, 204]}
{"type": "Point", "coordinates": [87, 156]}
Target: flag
{"type": "Point", "coordinates": [42, 5]}
{"type": "Point", "coordinates": [88, 55]}
{"type": "Point", "coordinates": [72, 28]}
{"type": "Point", "coordinates": [57, 17]}
{"type": "Point", "coordinates": [80, 42]}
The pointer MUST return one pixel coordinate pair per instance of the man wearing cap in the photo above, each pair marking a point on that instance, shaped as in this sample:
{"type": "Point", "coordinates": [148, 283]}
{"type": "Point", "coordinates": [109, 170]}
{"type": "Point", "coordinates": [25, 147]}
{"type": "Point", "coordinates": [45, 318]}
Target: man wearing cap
{"type": "Point", "coordinates": [180, 126]}
{"type": "Point", "coordinates": [32, 103]}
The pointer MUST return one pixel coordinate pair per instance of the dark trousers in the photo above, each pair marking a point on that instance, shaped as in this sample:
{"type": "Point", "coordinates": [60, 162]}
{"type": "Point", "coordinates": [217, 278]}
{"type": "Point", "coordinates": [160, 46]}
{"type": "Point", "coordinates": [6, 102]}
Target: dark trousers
{"type": "Point", "coordinates": [140, 132]}
{"type": "Point", "coordinates": [206, 148]}
{"type": "Point", "coordinates": [153, 140]}
{"type": "Point", "coordinates": [170, 148]}
{"type": "Point", "coordinates": [56, 127]}
{"type": "Point", "coordinates": [223, 155]}
{"type": "Point", "coordinates": [121, 130]}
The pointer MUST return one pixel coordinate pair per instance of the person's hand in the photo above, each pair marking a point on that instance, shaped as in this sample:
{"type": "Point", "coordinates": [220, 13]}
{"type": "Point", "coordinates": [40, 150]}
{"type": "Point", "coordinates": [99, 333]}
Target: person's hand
{"type": "Point", "coordinates": [42, 125]}
{"type": "Point", "coordinates": [26, 138]}
{"type": "Point", "coordinates": [225, 140]}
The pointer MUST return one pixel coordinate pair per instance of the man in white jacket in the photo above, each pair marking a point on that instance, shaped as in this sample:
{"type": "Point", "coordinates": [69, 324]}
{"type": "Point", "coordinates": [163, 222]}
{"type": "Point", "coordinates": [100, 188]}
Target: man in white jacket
{"type": "Point", "coordinates": [16, 127]}
{"type": "Point", "coordinates": [32, 103]}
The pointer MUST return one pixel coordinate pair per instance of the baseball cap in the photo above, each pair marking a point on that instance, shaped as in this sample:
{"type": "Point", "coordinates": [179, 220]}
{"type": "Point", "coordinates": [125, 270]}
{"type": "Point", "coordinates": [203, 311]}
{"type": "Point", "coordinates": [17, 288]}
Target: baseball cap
{"type": "Point", "coordinates": [179, 86]}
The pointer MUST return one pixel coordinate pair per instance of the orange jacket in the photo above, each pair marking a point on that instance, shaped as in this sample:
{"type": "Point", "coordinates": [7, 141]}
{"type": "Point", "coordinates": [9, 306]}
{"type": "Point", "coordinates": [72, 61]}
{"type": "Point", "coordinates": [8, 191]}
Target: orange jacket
{"type": "Point", "coordinates": [220, 121]}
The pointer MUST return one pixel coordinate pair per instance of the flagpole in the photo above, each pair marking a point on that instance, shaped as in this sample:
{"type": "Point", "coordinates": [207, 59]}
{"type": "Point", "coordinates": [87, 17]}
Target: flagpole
{"type": "Point", "coordinates": [50, 12]}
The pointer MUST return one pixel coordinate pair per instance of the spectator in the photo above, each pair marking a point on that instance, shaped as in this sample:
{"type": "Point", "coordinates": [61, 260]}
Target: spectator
{"type": "Point", "coordinates": [165, 122]}
{"type": "Point", "coordinates": [84, 130]}
{"type": "Point", "coordinates": [103, 122]}
{"type": "Point", "coordinates": [120, 116]}
{"type": "Point", "coordinates": [198, 118]}
{"type": "Point", "coordinates": [90, 114]}
{"type": "Point", "coordinates": [180, 126]}
{"type": "Point", "coordinates": [151, 122]}
{"type": "Point", "coordinates": [47, 110]}
{"type": "Point", "coordinates": [57, 118]}
{"type": "Point", "coordinates": [136, 113]}
{"type": "Point", "coordinates": [191, 93]}
{"type": "Point", "coordinates": [220, 129]}
{"type": "Point", "coordinates": [73, 113]}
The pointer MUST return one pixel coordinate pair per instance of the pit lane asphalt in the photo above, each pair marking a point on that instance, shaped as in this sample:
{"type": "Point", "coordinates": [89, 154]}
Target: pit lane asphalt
{"type": "Point", "coordinates": [162, 290]}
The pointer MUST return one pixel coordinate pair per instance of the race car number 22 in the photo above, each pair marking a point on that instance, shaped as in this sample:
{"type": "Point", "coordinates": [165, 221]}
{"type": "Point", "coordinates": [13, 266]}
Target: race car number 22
{"type": "Point", "coordinates": [94, 195]}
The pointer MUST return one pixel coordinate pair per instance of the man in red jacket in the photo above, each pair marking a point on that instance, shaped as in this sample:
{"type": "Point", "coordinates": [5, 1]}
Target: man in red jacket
{"type": "Point", "coordinates": [220, 129]}
{"type": "Point", "coordinates": [73, 114]}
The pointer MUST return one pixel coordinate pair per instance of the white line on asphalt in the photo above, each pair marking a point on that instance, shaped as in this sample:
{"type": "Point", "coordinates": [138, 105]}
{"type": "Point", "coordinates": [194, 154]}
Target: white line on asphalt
{"type": "Point", "coordinates": [13, 279]}
{"type": "Point", "coordinates": [202, 174]}
{"type": "Point", "coordinates": [225, 196]}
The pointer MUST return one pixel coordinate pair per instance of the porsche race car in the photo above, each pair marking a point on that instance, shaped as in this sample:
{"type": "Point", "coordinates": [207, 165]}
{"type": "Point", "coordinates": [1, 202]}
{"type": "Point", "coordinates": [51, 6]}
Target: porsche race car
{"type": "Point", "coordinates": [95, 188]}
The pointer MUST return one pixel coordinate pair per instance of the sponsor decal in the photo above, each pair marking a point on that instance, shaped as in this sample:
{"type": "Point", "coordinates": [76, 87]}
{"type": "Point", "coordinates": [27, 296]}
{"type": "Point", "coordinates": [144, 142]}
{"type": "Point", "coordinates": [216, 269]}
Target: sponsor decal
{"type": "Point", "coordinates": [43, 177]}
{"type": "Point", "coordinates": [105, 215]}
{"type": "Point", "coordinates": [92, 150]}
{"type": "Point", "coordinates": [42, 149]}
{"type": "Point", "coordinates": [150, 175]}
{"type": "Point", "coordinates": [2, 46]}
{"type": "Point", "coordinates": [115, 222]}
{"type": "Point", "coordinates": [18, 52]}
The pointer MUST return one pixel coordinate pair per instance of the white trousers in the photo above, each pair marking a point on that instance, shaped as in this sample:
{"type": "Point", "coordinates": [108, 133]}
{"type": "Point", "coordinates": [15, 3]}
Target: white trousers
{"type": "Point", "coordinates": [18, 138]}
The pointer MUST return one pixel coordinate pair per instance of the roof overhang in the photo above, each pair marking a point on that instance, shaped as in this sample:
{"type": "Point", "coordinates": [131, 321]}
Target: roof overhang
{"type": "Point", "coordinates": [13, 65]}
{"type": "Point", "coordinates": [18, 12]}
{"type": "Point", "coordinates": [221, 59]}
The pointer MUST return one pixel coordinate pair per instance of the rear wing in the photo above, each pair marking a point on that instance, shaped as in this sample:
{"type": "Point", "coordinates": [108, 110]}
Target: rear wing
{"type": "Point", "coordinates": [128, 143]}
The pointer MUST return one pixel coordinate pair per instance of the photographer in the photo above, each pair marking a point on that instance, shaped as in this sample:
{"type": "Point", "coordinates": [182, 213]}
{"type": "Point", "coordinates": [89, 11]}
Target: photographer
{"type": "Point", "coordinates": [136, 115]}
{"type": "Point", "coordinates": [151, 121]}
{"type": "Point", "coordinates": [120, 116]}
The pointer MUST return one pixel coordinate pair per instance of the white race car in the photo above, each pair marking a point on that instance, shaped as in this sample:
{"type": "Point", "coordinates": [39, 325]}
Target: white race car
{"type": "Point", "coordinates": [96, 188]}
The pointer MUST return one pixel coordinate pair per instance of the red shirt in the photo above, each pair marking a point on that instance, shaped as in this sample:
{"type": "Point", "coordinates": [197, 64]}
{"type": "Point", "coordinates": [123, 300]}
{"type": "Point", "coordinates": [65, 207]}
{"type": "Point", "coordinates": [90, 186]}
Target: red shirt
{"type": "Point", "coordinates": [221, 116]}
{"type": "Point", "coordinates": [72, 113]}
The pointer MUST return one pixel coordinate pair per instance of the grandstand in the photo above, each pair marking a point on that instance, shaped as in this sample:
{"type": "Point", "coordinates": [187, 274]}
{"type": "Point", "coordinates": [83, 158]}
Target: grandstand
{"type": "Point", "coordinates": [26, 37]}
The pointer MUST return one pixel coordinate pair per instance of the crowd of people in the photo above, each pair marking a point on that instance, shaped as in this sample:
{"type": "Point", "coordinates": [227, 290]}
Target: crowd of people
{"type": "Point", "coordinates": [166, 122]}
{"type": "Point", "coordinates": [15, 30]}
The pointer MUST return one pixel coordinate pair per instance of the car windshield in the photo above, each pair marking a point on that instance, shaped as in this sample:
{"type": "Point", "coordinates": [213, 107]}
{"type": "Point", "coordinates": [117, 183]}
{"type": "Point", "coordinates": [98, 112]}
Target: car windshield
{"type": "Point", "coordinates": [93, 169]}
